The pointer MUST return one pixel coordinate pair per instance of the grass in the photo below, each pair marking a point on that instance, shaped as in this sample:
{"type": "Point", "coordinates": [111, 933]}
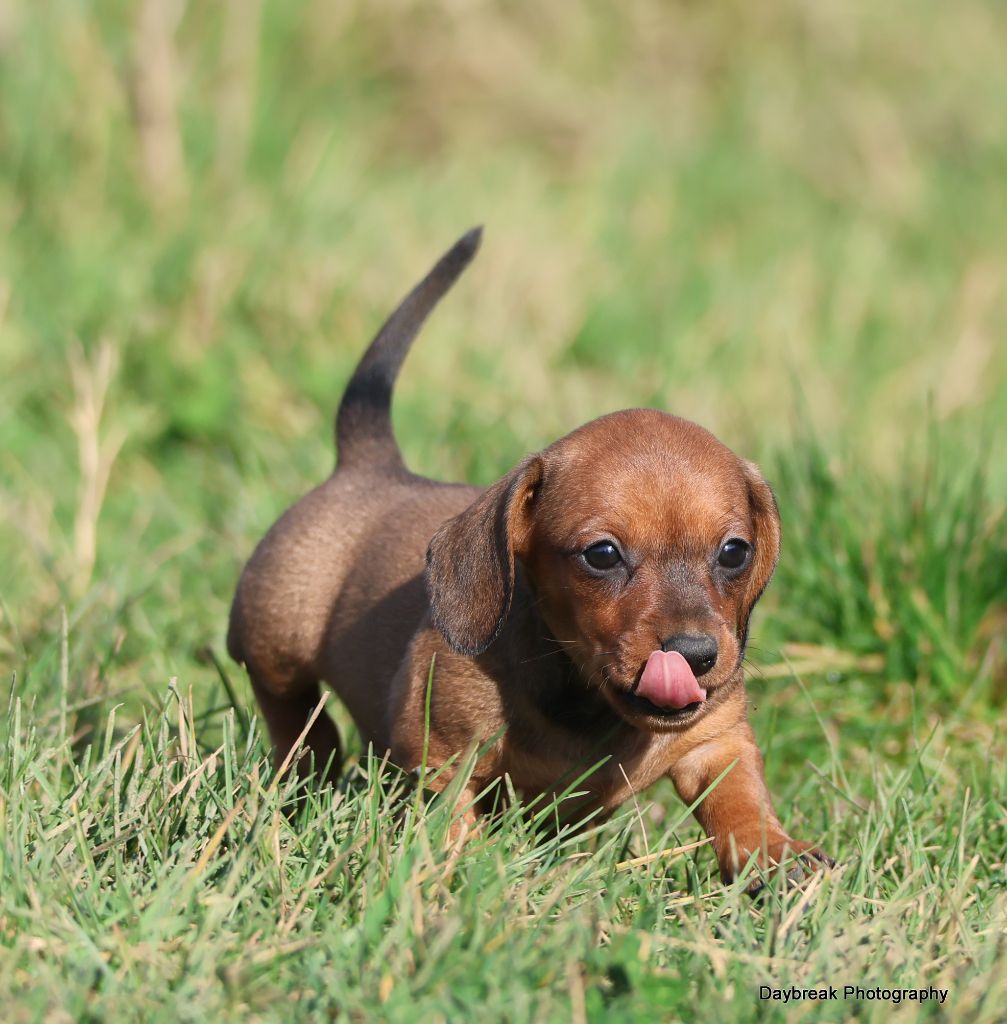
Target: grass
{"type": "Point", "coordinates": [784, 221]}
{"type": "Point", "coordinates": [152, 877]}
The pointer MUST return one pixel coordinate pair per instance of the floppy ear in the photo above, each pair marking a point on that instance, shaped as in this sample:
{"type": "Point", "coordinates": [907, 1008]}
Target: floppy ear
{"type": "Point", "coordinates": [470, 560]}
{"type": "Point", "coordinates": [766, 543]}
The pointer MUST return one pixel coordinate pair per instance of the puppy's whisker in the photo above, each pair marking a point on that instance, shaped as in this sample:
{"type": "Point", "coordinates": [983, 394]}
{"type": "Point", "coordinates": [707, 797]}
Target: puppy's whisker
{"type": "Point", "coordinates": [590, 681]}
{"type": "Point", "coordinates": [541, 657]}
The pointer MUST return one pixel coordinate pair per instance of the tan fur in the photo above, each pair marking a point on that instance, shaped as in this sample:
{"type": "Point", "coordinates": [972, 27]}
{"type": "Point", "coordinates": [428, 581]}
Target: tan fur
{"type": "Point", "coordinates": [533, 655]}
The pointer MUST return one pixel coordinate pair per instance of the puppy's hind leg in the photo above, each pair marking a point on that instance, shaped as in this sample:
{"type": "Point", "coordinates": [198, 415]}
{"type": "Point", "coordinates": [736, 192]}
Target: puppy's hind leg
{"type": "Point", "coordinates": [274, 636]}
{"type": "Point", "coordinates": [286, 714]}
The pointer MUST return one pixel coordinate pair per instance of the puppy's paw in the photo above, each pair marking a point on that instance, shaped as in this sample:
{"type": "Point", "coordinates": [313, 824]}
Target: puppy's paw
{"type": "Point", "coordinates": [813, 858]}
{"type": "Point", "coordinates": [802, 860]}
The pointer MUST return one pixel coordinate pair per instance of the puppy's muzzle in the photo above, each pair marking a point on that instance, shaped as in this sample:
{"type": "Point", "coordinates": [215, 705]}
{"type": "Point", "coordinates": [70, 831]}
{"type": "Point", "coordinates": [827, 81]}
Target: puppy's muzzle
{"type": "Point", "coordinates": [698, 649]}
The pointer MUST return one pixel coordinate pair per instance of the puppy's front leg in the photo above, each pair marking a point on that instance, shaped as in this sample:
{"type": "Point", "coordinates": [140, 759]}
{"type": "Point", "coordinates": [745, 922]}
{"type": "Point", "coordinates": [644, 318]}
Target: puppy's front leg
{"type": "Point", "coordinates": [738, 813]}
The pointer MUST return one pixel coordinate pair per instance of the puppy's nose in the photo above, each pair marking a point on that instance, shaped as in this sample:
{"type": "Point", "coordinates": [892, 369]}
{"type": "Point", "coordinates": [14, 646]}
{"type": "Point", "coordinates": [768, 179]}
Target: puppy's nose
{"type": "Point", "coordinates": [698, 649]}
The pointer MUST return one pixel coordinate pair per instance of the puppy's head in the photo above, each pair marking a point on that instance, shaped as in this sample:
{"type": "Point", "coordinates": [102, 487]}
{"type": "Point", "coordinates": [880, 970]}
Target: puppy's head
{"type": "Point", "coordinates": [646, 543]}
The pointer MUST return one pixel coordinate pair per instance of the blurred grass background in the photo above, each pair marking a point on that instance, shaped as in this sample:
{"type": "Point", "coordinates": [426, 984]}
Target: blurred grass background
{"type": "Point", "coordinates": [787, 221]}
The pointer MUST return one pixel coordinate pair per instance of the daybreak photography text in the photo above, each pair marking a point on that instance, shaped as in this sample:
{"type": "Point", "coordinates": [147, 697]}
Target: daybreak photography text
{"type": "Point", "coordinates": [856, 993]}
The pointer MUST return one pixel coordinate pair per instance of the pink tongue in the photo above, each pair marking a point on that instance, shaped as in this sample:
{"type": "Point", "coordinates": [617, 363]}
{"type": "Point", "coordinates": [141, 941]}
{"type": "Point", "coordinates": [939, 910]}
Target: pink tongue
{"type": "Point", "coordinates": [668, 682]}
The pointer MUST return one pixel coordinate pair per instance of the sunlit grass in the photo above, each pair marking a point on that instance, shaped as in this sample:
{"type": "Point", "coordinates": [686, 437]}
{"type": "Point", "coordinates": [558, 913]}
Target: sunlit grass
{"type": "Point", "coordinates": [155, 875]}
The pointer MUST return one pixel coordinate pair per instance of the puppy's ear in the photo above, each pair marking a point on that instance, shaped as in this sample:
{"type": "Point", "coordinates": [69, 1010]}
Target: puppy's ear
{"type": "Point", "coordinates": [766, 543]}
{"type": "Point", "coordinates": [470, 560]}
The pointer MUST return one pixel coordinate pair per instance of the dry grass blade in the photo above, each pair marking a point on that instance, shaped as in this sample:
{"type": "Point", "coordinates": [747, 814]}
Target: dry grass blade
{"type": "Point", "coordinates": [215, 840]}
{"type": "Point", "coordinates": [91, 379]}
{"type": "Point", "coordinates": [154, 91]}
{"type": "Point", "coordinates": [669, 854]}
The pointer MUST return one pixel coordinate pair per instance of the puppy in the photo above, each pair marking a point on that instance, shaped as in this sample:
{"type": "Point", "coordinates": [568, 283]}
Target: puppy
{"type": "Point", "coordinates": [591, 605]}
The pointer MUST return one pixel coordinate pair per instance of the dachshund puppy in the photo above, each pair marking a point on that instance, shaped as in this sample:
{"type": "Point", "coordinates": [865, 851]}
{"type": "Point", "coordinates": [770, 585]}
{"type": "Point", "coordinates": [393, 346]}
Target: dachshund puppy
{"type": "Point", "coordinates": [591, 605]}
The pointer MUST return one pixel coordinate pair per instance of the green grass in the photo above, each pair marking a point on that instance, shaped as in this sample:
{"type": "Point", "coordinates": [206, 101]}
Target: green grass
{"type": "Point", "coordinates": [785, 221]}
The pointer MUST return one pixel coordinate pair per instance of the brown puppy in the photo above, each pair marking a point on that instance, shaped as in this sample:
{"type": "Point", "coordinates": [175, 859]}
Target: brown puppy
{"type": "Point", "coordinates": [594, 602]}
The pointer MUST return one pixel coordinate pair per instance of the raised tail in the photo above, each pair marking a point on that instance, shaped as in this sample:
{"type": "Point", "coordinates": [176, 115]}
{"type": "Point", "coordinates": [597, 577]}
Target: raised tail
{"type": "Point", "coordinates": [364, 421]}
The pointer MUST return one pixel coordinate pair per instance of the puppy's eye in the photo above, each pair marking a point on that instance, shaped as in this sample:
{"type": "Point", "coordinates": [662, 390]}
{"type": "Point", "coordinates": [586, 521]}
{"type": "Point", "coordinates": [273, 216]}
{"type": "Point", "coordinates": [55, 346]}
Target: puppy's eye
{"type": "Point", "coordinates": [734, 554]}
{"type": "Point", "coordinates": [603, 555]}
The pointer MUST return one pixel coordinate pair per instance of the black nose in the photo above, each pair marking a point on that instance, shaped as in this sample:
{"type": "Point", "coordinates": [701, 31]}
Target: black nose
{"type": "Point", "coordinates": [698, 649]}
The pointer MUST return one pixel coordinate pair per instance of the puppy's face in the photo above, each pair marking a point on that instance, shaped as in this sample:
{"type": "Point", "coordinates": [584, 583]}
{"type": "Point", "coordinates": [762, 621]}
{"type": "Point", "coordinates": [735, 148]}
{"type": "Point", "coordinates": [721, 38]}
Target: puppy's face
{"type": "Point", "coordinates": [650, 542]}
{"type": "Point", "coordinates": [646, 542]}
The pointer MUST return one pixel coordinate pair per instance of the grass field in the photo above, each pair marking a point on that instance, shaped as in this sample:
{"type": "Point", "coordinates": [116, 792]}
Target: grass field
{"type": "Point", "coordinates": [787, 221]}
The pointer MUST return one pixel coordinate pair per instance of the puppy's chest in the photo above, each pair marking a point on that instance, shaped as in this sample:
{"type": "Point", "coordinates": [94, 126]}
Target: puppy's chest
{"type": "Point", "coordinates": [605, 769]}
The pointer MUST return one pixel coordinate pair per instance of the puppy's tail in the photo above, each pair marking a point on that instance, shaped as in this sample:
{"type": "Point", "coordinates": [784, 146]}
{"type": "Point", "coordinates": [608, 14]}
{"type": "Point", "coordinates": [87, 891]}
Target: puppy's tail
{"type": "Point", "coordinates": [364, 421]}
